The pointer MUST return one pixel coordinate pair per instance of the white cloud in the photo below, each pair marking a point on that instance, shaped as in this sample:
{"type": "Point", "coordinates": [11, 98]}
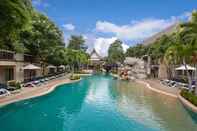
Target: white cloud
{"type": "Point", "coordinates": [125, 47]}
{"type": "Point", "coordinates": [69, 27]}
{"type": "Point", "coordinates": [101, 44]}
{"type": "Point", "coordinates": [138, 30]}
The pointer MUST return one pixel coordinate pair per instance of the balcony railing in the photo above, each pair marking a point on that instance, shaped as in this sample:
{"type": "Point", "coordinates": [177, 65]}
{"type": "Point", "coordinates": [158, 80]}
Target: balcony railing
{"type": "Point", "coordinates": [6, 55]}
{"type": "Point", "coordinates": [28, 58]}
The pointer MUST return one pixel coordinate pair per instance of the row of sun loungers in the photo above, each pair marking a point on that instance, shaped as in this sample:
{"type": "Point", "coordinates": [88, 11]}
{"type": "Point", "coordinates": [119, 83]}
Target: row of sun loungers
{"type": "Point", "coordinates": [171, 83]}
{"type": "Point", "coordinates": [4, 89]}
{"type": "Point", "coordinates": [4, 92]}
{"type": "Point", "coordinates": [41, 81]}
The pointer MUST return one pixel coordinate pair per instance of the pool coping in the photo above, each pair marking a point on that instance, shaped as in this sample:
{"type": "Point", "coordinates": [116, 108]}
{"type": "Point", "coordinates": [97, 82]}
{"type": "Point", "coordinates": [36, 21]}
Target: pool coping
{"type": "Point", "coordinates": [187, 104]}
{"type": "Point", "coordinates": [150, 87]}
{"type": "Point", "coordinates": [156, 90]}
{"type": "Point", "coordinates": [49, 90]}
{"type": "Point", "coordinates": [184, 101]}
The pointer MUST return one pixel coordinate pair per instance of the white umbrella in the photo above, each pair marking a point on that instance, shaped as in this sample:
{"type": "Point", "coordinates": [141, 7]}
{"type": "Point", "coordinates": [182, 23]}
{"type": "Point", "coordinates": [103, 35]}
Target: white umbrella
{"type": "Point", "coordinates": [51, 66]}
{"type": "Point", "coordinates": [188, 68]}
{"type": "Point", "coordinates": [62, 66]}
{"type": "Point", "coordinates": [31, 67]}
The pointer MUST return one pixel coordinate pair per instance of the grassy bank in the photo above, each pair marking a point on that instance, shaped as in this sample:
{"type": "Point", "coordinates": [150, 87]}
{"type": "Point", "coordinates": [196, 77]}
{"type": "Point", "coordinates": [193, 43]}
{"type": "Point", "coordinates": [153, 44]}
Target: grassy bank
{"type": "Point", "coordinates": [191, 97]}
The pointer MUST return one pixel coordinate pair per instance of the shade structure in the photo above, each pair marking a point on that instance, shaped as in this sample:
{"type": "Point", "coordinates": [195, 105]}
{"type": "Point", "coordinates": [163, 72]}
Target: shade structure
{"type": "Point", "coordinates": [62, 66]}
{"type": "Point", "coordinates": [31, 67]}
{"type": "Point", "coordinates": [182, 67]}
{"type": "Point", "coordinates": [51, 66]}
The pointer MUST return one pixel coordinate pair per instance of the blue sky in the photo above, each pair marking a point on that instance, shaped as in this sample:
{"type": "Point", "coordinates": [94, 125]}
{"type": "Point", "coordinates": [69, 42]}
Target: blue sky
{"type": "Point", "coordinates": [103, 21]}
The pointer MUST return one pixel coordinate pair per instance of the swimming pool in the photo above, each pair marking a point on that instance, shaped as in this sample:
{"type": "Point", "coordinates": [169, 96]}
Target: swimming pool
{"type": "Point", "coordinates": [98, 103]}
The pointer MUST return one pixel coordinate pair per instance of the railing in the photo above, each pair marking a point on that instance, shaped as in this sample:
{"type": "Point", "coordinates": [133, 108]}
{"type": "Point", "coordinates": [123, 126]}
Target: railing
{"type": "Point", "coordinates": [28, 58]}
{"type": "Point", "coordinates": [6, 55]}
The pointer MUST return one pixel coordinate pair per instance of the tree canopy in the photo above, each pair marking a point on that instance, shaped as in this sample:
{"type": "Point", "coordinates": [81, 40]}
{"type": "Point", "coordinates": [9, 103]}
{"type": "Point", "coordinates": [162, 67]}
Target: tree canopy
{"type": "Point", "coordinates": [77, 43]}
{"type": "Point", "coordinates": [43, 37]}
{"type": "Point", "coordinates": [177, 48]}
{"type": "Point", "coordinates": [15, 15]}
{"type": "Point", "coordinates": [136, 51]}
{"type": "Point", "coordinates": [116, 53]}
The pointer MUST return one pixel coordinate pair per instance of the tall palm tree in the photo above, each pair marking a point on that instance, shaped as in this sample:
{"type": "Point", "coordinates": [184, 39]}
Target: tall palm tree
{"type": "Point", "coordinates": [171, 59]}
{"type": "Point", "coordinates": [180, 53]}
{"type": "Point", "coordinates": [189, 35]}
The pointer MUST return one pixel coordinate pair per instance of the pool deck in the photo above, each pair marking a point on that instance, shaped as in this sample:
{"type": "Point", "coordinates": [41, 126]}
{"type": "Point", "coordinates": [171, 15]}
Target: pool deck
{"type": "Point", "coordinates": [31, 92]}
{"type": "Point", "coordinates": [156, 86]}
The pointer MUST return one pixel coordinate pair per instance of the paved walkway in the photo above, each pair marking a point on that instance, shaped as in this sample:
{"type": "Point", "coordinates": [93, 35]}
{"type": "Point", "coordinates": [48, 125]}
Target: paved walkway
{"type": "Point", "coordinates": [156, 86]}
{"type": "Point", "coordinates": [27, 92]}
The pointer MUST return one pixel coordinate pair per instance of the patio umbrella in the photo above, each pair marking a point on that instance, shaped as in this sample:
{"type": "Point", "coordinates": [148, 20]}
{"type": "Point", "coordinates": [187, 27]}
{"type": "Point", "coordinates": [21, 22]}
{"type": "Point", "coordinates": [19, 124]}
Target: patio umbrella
{"type": "Point", "coordinates": [51, 66]}
{"type": "Point", "coordinates": [183, 68]}
{"type": "Point", "coordinates": [31, 67]}
{"type": "Point", "coordinates": [62, 66]}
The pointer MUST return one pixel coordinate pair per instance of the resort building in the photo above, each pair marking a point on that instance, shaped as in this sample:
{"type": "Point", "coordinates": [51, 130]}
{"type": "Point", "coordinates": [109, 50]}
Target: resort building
{"type": "Point", "coordinates": [19, 67]}
{"type": "Point", "coordinates": [96, 61]}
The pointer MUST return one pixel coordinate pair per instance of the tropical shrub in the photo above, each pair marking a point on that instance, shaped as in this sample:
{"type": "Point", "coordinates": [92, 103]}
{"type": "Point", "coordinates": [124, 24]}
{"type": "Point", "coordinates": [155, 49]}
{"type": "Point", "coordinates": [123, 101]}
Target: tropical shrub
{"type": "Point", "coordinates": [14, 84]}
{"type": "Point", "coordinates": [74, 77]}
{"type": "Point", "coordinates": [190, 96]}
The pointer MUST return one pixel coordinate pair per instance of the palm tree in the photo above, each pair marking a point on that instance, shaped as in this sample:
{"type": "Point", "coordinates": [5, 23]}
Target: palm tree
{"type": "Point", "coordinates": [180, 53]}
{"type": "Point", "coordinates": [171, 59]}
{"type": "Point", "coordinates": [189, 35]}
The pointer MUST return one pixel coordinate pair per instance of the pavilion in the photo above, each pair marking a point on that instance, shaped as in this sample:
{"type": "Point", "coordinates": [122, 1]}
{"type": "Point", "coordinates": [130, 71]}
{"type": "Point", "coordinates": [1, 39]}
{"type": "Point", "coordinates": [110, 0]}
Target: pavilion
{"type": "Point", "coordinates": [96, 61]}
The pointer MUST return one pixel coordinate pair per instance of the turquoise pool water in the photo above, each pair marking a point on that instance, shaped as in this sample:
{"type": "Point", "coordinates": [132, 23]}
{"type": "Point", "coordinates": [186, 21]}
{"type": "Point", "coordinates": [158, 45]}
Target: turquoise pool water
{"type": "Point", "coordinates": [98, 103]}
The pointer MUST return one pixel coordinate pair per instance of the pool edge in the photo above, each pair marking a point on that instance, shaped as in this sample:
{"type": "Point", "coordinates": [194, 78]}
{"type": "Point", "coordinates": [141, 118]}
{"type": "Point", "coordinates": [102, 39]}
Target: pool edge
{"type": "Point", "coordinates": [50, 90]}
{"type": "Point", "coordinates": [187, 104]}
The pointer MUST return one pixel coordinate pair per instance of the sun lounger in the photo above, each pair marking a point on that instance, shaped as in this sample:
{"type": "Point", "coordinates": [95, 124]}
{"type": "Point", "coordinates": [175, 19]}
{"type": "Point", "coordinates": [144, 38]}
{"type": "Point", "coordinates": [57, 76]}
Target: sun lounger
{"type": "Point", "coordinates": [36, 82]}
{"type": "Point", "coordinates": [4, 92]}
{"type": "Point", "coordinates": [46, 79]}
{"type": "Point", "coordinates": [29, 85]}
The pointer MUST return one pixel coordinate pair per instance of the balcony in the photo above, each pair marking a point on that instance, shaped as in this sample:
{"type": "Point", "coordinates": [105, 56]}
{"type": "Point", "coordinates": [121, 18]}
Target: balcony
{"type": "Point", "coordinates": [28, 58]}
{"type": "Point", "coordinates": [6, 55]}
{"type": "Point", "coordinates": [11, 56]}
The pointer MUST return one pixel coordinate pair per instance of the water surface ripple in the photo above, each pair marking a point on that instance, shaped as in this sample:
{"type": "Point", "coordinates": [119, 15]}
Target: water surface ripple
{"type": "Point", "coordinates": [98, 103]}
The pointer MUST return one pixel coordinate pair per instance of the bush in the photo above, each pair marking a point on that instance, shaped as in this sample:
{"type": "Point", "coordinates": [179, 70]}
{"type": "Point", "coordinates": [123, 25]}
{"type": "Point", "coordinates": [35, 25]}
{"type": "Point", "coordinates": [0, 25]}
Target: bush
{"type": "Point", "coordinates": [18, 85]}
{"type": "Point", "coordinates": [14, 84]}
{"type": "Point", "coordinates": [74, 77]}
{"type": "Point", "coordinates": [114, 71]}
{"type": "Point", "coordinates": [190, 96]}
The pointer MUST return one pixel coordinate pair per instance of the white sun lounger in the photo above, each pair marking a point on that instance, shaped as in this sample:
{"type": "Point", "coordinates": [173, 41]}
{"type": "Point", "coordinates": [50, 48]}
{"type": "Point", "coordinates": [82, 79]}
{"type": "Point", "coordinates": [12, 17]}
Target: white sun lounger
{"type": "Point", "coordinates": [4, 92]}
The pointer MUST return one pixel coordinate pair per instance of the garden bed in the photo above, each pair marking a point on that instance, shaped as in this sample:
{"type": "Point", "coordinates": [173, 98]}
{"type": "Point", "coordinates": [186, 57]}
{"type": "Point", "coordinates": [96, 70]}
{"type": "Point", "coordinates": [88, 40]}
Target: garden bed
{"type": "Point", "coordinates": [190, 96]}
